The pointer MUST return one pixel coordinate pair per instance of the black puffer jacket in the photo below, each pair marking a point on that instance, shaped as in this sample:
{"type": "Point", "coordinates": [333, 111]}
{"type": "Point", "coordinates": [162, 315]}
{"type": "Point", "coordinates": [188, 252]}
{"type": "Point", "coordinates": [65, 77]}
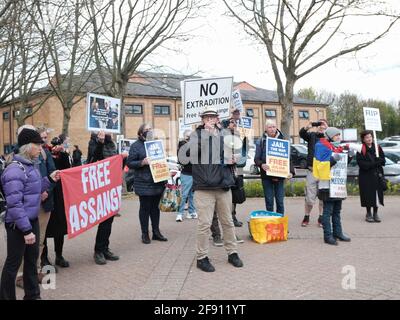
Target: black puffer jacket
{"type": "Point", "coordinates": [312, 138]}
{"type": "Point", "coordinates": [142, 179]}
{"type": "Point", "coordinates": [210, 172]}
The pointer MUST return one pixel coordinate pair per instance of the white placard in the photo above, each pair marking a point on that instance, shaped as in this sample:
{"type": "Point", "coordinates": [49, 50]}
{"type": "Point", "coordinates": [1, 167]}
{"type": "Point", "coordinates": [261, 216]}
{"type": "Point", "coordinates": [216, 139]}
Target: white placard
{"type": "Point", "coordinates": [349, 135]}
{"type": "Point", "coordinates": [237, 101]}
{"type": "Point", "coordinates": [183, 127]}
{"type": "Point", "coordinates": [201, 93]}
{"type": "Point", "coordinates": [124, 145]}
{"type": "Point", "coordinates": [337, 187]}
{"type": "Point", "coordinates": [372, 119]}
{"type": "Point", "coordinates": [103, 113]}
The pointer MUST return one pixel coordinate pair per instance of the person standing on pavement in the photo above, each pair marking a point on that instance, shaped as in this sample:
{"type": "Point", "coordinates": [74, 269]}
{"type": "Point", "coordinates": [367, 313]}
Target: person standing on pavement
{"type": "Point", "coordinates": [326, 150]}
{"type": "Point", "coordinates": [57, 226]}
{"type": "Point", "coordinates": [23, 185]}
{"type": "Point", "coordinates": [212, 180]}
{"type": "Point", "coordinates": [186, 181]}
{"type": "Point", "coordinates": [371, 167]}
{"type": "Point", "coordinates": [76, 157]}
{"type": "Point", "coordinates": [274, 187]}
{"type": "Point", "coordinates": [102, 148]}
{"type": "Point", "coordinates": [148, 191]}
{"type": "Point", "coordinates": [312, 137]}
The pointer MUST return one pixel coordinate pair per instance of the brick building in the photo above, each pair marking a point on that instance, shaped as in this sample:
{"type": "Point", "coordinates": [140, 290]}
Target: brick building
{"type": "Point", "coordinates": [154, 98]}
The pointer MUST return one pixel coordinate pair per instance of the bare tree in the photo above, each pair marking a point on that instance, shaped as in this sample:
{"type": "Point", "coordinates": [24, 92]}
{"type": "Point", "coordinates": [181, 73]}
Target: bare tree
{"type": "Point", "coordinates": [65, 32]}
{"type": "Point", "coordinates": [126, 32]}
{"type": "Point", "coordinates": [302, 36]}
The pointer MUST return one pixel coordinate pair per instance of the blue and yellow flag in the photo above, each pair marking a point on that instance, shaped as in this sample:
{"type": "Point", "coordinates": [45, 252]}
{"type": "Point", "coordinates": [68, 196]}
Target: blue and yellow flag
{"type": "Point", "coordinates": [322, 160]}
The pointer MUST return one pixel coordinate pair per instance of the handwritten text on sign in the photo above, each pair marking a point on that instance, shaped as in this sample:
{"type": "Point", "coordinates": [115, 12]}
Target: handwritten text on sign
{"type": "Point", "coordinates": [92, 194]}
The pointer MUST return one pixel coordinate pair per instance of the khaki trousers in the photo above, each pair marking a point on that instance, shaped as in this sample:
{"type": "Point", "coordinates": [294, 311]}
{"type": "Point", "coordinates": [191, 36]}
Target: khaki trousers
{"type": "Point", "coordinates": [206, 201]}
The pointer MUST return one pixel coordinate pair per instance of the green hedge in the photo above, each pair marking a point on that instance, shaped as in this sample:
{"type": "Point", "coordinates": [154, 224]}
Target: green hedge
{"type": "Point", "coordinates": [254, 189]}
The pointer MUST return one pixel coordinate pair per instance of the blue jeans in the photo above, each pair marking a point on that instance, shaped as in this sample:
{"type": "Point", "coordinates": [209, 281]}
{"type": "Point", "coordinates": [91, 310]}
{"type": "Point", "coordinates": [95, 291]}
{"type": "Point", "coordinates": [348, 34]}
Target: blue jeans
{"type": "Point", "coordinates": [332, 209]}
{"type": "Point", "coordinates": [274, 190]}
{"type": "Point", "coordinates": [187, 193]}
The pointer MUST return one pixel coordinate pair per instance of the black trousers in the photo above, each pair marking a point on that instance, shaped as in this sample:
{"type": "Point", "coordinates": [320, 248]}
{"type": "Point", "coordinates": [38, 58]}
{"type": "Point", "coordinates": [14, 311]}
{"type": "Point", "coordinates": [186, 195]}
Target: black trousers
{"type": "Point", "coordinates": [149, 209]}
{"type": "Point", "coordinates": [58, 246]}
{"type": "Point", "coordinates": [103, 235]}
{"type": "Point", "coordinates": [16, 250]}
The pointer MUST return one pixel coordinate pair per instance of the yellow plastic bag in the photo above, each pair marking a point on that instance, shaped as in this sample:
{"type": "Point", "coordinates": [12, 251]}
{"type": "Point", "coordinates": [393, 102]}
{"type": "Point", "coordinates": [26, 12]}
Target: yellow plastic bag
{"type": "Point", "coordinates": [265, 229]}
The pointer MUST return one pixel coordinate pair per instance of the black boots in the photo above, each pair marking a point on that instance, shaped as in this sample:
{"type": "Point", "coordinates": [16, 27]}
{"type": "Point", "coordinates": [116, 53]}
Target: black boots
{"type": "Point", "coordinates": [331, 240]}
{"type": "Point", "coordinates": [158, 236]}
{"type": "Point", "coordinates": [205, 265]}
{"type": "Point", "coordinates": [234, 260]}
{"type": "Point", "coordinates": [60, 261]}
{"type": "Point", "coordinates": [145, 238]}
{"type": "Point", "coordinates": [342, 237]}
{"type": "Point", "coordinates": [108, 255]}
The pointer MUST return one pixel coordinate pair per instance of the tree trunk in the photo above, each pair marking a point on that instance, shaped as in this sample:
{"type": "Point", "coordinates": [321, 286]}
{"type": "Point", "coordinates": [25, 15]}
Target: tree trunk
{"type": "Point", "coordinates": [67, 117]}
{"type": "Point", "coordinates": [122, 89]}
{"type": "Point", "coordinates": [287, 108]}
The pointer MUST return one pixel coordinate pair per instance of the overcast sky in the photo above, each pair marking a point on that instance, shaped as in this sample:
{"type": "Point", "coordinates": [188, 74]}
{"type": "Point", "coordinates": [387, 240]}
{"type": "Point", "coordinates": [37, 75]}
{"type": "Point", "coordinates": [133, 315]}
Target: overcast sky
{"type": "Point", "coordinates": [220, 48]}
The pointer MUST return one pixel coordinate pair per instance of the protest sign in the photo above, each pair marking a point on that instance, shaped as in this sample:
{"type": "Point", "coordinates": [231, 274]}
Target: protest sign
{"type": "Point", "coordinates": [183, 127]}
{"type": "Point", "coordinates": [278, 157]}
{"type": "Point", "coordinates": [237, 101]}
{"type": "Point", "coordinates": [103, 113]}
{"type": "Point", "coordinates": [92, 194]}
{"type": "Point", "coordinates": [337, 188]}
{"type": "Point", "coordinates": [245, 127]}
{"type": "Point", "coordinates": [372, 120]}
{"type": "Point", "coordinates": [200, 93]}
{"type": "Point", "coordinates": [158, 161]}
{"type": "Point", "coordinates": [124, 145]}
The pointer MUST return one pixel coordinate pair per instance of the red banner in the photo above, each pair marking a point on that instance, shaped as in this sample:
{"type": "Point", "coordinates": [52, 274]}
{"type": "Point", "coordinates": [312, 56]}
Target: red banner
{"type": "Point", "coordinates": [92, 193]}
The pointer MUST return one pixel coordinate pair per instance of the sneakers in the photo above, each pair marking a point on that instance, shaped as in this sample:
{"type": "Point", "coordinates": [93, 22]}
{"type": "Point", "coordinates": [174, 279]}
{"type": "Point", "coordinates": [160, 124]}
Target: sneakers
{"type": "Point", "coordinates": [306, 221]}
{"type": "Point", "coordinates": [239, 239]}
{"type": "Point", "coordinates": [234, 260]}
{"type": "Point", "coordinates": [108, 255]}
{"type": "Point", "coordinates": [320, 222]}
{"type": "Point", "coordinates": [205, 265]}
{"type": "Point", "coordinates": [179, 218]}
{"type": "Point", "coordinates": [99, 258]}
{"type": "Point", "coordinates": [217, 241]}
{"type": "Point", "coordinates": [191, 215]}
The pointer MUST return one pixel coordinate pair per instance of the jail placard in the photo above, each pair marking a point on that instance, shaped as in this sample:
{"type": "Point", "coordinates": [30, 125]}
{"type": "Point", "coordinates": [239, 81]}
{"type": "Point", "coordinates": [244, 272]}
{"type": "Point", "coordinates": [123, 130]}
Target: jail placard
{"type": "Point", "coordinates": [278, 157]}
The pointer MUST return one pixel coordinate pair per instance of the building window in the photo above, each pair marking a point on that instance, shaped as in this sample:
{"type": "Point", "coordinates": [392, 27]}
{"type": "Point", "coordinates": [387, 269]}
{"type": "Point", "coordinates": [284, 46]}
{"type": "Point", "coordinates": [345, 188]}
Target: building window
{"type": "Point", "coordinates": [250, 112]}
{"type": "Point", "coordinates": [16, 113]}
{"type": "Point", "coordinates": [28, 110]}
{"type": "Point", "coordinates": [134, 109]}
{"type": "Point", "coordinates": [304, 115]}
{"type": "Point", "coordinates": [6, 116]}
{"type": "Point", "coordinates": [271, 113]}
{"type": "Point", "coordinates": [161, 110]}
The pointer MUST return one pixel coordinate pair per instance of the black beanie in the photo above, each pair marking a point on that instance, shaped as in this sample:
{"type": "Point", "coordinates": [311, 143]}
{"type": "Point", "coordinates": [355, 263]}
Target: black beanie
{"type": "Point", "coordinates": [29, 136]}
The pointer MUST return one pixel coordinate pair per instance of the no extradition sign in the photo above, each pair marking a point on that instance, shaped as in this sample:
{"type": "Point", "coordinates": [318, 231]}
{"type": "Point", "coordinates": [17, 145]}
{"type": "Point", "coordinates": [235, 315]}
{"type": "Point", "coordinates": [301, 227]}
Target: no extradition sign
{"type": "Point", "coordinates": [372, 119]}
{"type": "Point", "coordinates": [201, 93]}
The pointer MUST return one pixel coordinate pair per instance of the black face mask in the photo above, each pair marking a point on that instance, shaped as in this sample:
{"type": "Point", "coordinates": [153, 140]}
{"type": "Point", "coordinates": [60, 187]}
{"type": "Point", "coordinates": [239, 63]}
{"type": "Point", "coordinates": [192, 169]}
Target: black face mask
{"type": "Point", "coordinates": [148, 135]}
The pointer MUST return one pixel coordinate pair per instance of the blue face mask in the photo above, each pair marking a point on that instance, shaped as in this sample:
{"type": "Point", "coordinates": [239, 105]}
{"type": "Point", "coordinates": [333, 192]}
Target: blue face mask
{"type": "Point", "coordinates": [336, 143]}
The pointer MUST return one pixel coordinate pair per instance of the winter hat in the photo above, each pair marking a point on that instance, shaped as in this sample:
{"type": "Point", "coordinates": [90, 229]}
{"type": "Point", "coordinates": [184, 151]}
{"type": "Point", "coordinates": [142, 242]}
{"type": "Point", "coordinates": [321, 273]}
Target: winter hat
{"type": "Point", "coordinates": [27, 136]}
{"type": "Point", "coordinates": [331, 132]}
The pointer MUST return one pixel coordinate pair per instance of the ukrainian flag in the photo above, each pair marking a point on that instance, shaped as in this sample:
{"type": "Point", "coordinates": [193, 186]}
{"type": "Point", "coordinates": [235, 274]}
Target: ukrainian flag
{"type": "Point", "coordinates": [322, 160]}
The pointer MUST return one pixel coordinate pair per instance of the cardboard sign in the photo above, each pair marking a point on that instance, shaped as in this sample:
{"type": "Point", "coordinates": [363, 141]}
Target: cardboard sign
{"type": "Point", "coordinates": [92, 194]}
{"type": "Point", "coordinates": [158, 164]}
{"type": "Point", "coordinates": [337, 187]}
{"type": "Point", "coordinates": [103, 113]}
{"type": "Point", "coordinates": [124, 145]}
{"type": "Point", "coordinates": [198, 94]}
{"type": "Point", "coordinates": [278, 157]}
{"type": "Point", "coordinates": [183, 127]}
{"type": "Point", "coordinates": [245, 127]}
{"type": "Point", "coordinates": [372, 119]}
{"type": "Point", "coordinates": [237, 101]}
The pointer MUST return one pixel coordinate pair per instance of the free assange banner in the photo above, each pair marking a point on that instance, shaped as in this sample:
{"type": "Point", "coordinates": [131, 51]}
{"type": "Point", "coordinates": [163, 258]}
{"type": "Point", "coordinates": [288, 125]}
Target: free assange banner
{"type": "Point", "coordinates": [92, 194]}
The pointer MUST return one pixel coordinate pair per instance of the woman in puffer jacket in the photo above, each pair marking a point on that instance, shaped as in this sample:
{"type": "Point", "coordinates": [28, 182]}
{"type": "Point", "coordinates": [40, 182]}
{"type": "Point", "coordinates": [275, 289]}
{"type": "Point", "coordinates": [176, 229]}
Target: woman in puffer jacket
{"type": "Point", "coordinates": [23, 185]}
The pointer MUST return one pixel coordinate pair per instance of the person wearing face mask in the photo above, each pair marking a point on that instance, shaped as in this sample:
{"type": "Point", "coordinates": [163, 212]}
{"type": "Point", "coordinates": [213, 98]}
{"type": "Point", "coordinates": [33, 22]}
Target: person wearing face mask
{"type": "Point", "coordinates": [312, 137]}
{"type": "Point", "coordinates": [186, 182]}
{"type": "Point", "coordinates": [23, 185]}
{"type": "Point", "coordinates": [148, 191]}
{"type": "Point", "coordinates": [103, 147]}
{"type": "Point", "coordinates": [325, 158]}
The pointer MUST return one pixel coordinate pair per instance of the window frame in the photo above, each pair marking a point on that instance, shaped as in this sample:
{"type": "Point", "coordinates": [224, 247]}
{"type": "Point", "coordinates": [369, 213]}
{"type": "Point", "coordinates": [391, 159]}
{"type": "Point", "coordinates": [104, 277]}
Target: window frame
{"type": "Point", "coordinates": [141, 105]}
{"type": "Point", "coordinates": [162, 106]}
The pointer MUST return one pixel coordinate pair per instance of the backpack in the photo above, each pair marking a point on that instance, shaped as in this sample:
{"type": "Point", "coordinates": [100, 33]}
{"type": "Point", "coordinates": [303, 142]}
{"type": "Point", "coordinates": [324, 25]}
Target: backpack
{"type": "Point", "coordinates": [3, 201]}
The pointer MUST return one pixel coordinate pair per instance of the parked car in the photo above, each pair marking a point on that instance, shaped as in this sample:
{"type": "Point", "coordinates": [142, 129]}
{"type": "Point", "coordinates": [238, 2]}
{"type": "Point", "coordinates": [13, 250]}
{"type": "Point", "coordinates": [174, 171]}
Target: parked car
{"type": "Point", "coordinates": [393, 138]}
{"type": "Point", "coordinates": [393, 155]}
{"type": "Point", "coordinates": [391, 170]}
{"type": "Point", "coordinates": [298, 155]}
{"type": "Point", "coordinates": [386, 144]}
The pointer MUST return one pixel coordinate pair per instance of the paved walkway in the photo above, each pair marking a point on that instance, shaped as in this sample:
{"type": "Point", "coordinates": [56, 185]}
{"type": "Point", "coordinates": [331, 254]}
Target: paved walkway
{"type": "Point", "coordinates": [301, 268]}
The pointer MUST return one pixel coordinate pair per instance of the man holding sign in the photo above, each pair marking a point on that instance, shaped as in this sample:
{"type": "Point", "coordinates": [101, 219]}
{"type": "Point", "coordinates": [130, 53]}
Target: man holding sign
{"type": "Point", "coordinates": [272, 156]}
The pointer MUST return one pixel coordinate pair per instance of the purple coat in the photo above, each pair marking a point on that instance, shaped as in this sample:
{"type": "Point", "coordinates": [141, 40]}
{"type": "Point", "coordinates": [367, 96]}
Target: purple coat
{"type": "Point", "coordinates": [22, 191]}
